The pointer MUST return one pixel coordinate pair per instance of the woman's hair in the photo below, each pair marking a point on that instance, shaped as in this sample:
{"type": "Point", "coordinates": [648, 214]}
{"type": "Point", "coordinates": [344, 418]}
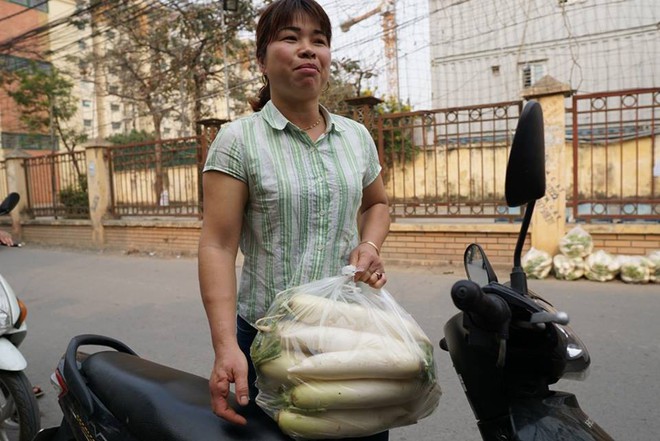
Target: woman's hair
{"type": "Point", "coordinates": [276, 16]}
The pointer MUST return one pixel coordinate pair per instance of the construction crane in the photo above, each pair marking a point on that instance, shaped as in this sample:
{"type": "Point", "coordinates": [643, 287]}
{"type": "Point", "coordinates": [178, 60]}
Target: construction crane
{"type": "Point", "coordinates": [386, 9]}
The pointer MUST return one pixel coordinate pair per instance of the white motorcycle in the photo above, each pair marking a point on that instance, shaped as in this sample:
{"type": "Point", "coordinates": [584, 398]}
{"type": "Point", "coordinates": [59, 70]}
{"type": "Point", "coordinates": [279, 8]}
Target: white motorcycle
{"type": "Point", "coordinates": [19, 412]}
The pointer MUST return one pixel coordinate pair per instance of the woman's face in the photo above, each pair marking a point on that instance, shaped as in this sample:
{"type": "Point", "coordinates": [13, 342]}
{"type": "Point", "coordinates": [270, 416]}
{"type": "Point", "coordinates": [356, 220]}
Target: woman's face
{"type": "Point", "coordinates": [297, 61]}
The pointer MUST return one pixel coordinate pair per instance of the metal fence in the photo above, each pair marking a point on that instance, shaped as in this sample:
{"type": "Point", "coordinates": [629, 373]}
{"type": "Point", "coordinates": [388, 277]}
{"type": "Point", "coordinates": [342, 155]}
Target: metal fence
{"type": "Point", "coordinates": [155, 178]}
{"type": "Point", "coordinates": [448, 162]}
{"type": "Point", "coordinates": [57, 185]}
{"type": "Point", "coordinates": [615, 156]}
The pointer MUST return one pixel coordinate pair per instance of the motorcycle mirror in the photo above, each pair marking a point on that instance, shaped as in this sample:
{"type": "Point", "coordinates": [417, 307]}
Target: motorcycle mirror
{"type": "Point", "coordinates": [525, 171]}
{"type": "Point", "coordinates": [525, 179]}
{"type": "Point", "coordinates": [477, 266]}
{"type": "Point", "coordinates": [9, 203]}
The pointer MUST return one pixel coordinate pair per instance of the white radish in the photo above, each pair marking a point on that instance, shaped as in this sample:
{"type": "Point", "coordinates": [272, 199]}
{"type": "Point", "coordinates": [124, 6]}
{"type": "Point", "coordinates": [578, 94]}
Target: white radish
{"type": "Point", "coordinates": [315, 310]}
{"type": "Point", "coordinates": [315, 339]}
{"type": "Point", "coordinates": [369, 363]}
{"type": "Point", "coordinates": [334, 424]}
{"type": "Point", "coordinates": [276, 370]}
{"type": "Point", "coordinates": [354, 394]}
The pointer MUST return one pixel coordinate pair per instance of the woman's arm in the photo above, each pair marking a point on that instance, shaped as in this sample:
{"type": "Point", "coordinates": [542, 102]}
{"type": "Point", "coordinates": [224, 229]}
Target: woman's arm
{"type": "Point", "coordinates": [224, 202]}
{"type": "Point", "coordinates": [374, 225]}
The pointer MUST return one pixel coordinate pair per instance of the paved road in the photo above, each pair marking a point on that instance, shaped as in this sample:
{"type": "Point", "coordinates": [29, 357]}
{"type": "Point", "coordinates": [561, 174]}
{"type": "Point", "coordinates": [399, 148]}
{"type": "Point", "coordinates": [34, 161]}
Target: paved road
{"type": "Point", "coordinates": [152, 304]}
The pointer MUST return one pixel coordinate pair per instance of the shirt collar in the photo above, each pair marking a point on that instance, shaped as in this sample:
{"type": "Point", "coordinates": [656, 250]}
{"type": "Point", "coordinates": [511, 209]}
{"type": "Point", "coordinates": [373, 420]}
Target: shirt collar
{"type": "Point", "coordinates": [277, 121]}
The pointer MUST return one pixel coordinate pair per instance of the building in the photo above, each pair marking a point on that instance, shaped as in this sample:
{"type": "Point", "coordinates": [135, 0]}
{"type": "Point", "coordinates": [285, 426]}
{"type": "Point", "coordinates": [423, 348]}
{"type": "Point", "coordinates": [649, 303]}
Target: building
{"type": "Point", "coordinates": [65, 34]}
{"type": "Point", "coordinates": [487, 51]}
{"type": "Point", "coordinates": [17, 19]}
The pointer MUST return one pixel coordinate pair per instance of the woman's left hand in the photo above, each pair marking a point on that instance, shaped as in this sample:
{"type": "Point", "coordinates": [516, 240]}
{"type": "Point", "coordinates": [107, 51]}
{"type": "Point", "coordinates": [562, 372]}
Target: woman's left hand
{"type": "Point", "coordinates": [370, 269]}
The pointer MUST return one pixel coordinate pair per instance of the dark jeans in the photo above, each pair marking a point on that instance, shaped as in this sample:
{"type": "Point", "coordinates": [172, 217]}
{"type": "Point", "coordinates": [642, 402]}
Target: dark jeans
{"type": "Point", "coordinates": [245, 334]}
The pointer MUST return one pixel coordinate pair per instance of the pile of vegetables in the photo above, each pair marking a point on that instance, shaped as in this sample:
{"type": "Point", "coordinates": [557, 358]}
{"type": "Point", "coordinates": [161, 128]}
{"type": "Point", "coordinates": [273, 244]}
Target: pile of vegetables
{"type": "Point", "coordinates": [576, 243]}
{"type": "Point", "coordinates": [601, 266]}
{"type": "Point", "coordinates": [536, 263]}
{"type": "Point", "coordinates": [336, 359]}
{"type": "Point", "coordinates": [636, 269]}
{"type": "Point", "coordinates": [567, 268]}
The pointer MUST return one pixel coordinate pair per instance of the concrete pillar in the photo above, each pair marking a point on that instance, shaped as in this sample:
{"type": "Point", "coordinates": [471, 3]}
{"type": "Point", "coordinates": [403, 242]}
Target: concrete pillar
{"type": "Point", "coordinates": [99, 190]}
{"type": "Point", "coordinates": [549, 219]}
{"type": "Point", "coordinates": [17, 182]}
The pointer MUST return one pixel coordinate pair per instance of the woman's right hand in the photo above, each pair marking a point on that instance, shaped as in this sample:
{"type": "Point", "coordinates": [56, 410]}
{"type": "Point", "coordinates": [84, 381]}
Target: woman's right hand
{"type": "Point", "coordinates": [230, 366]}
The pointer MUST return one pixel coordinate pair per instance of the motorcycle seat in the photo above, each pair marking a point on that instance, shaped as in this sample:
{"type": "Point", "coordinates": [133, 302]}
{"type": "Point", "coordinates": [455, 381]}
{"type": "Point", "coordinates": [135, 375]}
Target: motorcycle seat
{"type": "Point", "coordinates": [159, 403]}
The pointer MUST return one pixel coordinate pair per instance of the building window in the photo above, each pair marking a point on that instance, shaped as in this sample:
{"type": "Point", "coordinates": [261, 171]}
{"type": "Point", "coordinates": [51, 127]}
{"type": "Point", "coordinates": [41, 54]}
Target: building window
{"type": "Point", "coordinates": [39, 5]}
{"type": "Point", "coordinates": [116, 125]}
{"type": "Point", "coordinates": [114, 107]}
{"type": "Point", "coordinates": [495, 70]}
{"type": "Point", "coordinates": [114, 89]}
{"type": "Point", "coordinates": [87, 103]}
{"type": "Point", "coordinates": [531, 72]}
{"type": "Point", "coordinates": [87, 122]}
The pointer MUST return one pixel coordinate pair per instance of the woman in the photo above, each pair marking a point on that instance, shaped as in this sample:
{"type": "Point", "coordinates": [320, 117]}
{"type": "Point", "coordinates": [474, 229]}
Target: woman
{"type": "Point", "coordinates": [297, 187]}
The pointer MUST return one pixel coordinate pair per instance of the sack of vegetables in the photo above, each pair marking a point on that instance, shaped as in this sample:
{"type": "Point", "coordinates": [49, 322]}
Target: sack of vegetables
{"type": "Point", "coordinates": [338, 359]}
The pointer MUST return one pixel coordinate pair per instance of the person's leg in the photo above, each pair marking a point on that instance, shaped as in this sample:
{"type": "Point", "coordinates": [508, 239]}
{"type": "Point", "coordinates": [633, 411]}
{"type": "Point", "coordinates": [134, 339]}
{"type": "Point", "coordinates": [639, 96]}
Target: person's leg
{"type": "Point", "coordinates": [245, 335]}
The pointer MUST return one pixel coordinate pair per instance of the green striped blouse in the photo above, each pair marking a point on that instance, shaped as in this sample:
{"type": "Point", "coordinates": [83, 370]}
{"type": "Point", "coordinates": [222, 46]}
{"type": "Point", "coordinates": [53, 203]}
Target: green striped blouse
{"type": "Point", "coordinates": [300, 222]}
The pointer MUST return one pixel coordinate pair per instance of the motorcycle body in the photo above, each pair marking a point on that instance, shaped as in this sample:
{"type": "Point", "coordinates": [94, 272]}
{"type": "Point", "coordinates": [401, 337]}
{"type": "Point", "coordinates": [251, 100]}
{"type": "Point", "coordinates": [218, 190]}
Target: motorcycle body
{"type": "Point", "coordinates": [508, 344]}
{"type": "Point", "coordinates": [115, 395]}
{"type": "Point", "coordinates": [19, 412]}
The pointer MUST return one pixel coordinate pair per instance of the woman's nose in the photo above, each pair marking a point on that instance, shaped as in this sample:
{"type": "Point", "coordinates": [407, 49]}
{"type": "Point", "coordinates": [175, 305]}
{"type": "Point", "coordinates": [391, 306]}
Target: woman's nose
{"type": "Point", "coordinates": [307, 50]}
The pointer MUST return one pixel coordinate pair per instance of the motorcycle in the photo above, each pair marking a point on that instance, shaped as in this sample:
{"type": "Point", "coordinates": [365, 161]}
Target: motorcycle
{"type": "Point", "coordinates": [508, 344]}
{"type": "Point", "coordinates": [19, 412]}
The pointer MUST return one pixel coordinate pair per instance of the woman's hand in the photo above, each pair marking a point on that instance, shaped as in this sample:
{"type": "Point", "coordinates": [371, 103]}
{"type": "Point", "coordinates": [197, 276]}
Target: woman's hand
{"type": "Point", "coordinates": [370, 269]}
{"type": "Point", "coordinates": [5, 238]}
{"type": "Point", "coordinates": [230, 367]}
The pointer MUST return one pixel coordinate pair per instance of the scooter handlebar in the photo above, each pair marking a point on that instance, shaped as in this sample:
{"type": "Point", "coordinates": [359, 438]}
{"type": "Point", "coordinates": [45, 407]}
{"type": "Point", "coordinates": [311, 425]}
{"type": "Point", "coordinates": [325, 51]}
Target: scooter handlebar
{"type": "Point", "coordinates": [490, 309]}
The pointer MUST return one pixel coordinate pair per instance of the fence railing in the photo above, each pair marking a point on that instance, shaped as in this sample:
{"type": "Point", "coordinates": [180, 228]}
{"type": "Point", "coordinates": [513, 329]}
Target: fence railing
{"type": "Point", "coordinates": [448, 162]}
{"type": "Point", "coordinates": [57, 185]}
{"type": "Point", "coordinates": [155, 178]}
{"type": "Point", "coordinates": [615, 155]}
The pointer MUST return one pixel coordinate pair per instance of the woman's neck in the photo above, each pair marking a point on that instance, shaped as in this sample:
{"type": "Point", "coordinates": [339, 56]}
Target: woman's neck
{"type": "Point", "coordinates": [301, 113]}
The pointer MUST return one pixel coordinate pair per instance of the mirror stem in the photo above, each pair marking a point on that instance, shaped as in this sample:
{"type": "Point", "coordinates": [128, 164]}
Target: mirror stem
{"type": "Point", "coordinates": [518, 278]}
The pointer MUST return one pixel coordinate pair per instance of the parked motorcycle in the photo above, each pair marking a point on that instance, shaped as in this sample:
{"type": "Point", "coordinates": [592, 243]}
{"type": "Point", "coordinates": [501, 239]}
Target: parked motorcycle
{"type": "Point", "coordinates": [19, 412]}
{"type": "Point", "coordinates": [508, 345]}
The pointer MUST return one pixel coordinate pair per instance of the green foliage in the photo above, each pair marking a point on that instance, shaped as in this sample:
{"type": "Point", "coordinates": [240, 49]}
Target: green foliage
{"type": "Point", "coordinates": [133, 137]}
{"type": "Point", "coordinates": [75, 198]}
{"type": "Point", "coordinates": [398, 142]}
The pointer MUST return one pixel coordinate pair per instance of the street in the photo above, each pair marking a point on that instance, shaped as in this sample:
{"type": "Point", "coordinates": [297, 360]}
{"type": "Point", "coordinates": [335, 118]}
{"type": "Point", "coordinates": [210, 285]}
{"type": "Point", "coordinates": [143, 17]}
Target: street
{"type": "Point", "coordinates": [152, 304]}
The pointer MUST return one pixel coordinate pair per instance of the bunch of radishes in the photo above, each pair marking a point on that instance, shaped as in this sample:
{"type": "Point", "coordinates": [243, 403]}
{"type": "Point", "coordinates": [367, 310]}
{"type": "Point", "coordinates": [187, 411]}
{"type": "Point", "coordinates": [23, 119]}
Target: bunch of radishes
{"type": "Point", "coordinates": [345, 363]}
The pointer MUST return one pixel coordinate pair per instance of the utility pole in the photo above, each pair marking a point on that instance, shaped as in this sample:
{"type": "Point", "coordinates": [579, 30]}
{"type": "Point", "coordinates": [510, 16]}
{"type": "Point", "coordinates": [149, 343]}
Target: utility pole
{"type": "Point", "coordinates": [227, 6]}
{"type": "Point", "coordinates": [387, 10]}
{"type": "Point", "coordinates": [99, 77]}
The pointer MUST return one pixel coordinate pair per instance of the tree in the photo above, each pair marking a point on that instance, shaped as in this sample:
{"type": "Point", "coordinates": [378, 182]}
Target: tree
{"type": "Point", "coordinates": [46, 103]}
{"type": "Point", "coordinates": [44, 97]}
{"type": "Point", "coordinates": [346, 81]}
{"type": "Point", "coordinates": [166, 58]}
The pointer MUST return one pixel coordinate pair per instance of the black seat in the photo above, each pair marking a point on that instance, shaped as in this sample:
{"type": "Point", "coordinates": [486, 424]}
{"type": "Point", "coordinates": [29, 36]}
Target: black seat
{"type": "Point", "coordinates": [158, 403]}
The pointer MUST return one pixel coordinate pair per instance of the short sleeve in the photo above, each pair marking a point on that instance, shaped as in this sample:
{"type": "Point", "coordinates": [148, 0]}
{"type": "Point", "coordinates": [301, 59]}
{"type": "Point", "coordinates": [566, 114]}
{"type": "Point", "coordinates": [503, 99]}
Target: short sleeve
{"type": "Point", "coordinates": [372, 163]}
{"type": "Point", "coordinates": [226, 153]}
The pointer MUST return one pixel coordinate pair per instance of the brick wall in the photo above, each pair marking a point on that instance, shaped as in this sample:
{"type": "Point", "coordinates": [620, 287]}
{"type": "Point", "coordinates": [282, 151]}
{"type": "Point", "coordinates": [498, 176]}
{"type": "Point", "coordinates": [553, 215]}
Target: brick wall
{"type": "Point", "coordinates": [418, 244]}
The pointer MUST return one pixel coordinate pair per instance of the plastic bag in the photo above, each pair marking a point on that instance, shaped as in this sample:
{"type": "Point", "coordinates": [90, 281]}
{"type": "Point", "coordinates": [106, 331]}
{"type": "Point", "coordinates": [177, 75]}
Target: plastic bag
{"type": "Point", "coordinates": [567, 268]}
{"type": "Point", "coordinates": [536, 263]}
{"type": "Point", "coordinates": [336, 359]}
{"type": "Point", "coordinates": [601, 266]}
{"type": "Point", "coordinates": [654, 258]}
{"type": "Point", "coordinates": [635, 269]}
{"type": "Point", "coordinates": [576, 243]}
